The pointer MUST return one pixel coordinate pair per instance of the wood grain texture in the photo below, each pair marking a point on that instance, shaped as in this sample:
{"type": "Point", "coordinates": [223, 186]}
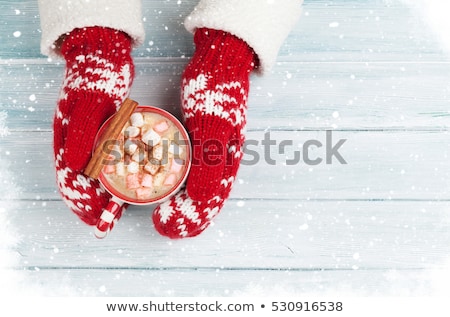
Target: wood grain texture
{"type": "Point", "coordinates": [365, 31]}
{"type": "Point", "coordinates": [370, 71]}
{"type": "Point", "coordinates": [264, 234]}
{"type": "Point", "coordinates": [381, 165]}
{"type": "Point", "coordinates": [246, 283]}
{"type": "Point", "coordinates": [296, 95]}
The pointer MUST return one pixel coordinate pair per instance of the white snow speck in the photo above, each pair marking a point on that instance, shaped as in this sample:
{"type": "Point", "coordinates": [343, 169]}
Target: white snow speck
{"type": "Point", "coordinates": [32, 97]}
{"type": "Point", "coordinates": [304, 227]}
{"type": "Point", "coordinates": [336, 114]}
{"type": "Point", "coordinates": [333, 24]}
{"type": "Point", "coordinates": [3, 128]}
{"type": "Point", "coordinates": [17, 34]}
{"type": "Point", "coordinates": [240, 203]}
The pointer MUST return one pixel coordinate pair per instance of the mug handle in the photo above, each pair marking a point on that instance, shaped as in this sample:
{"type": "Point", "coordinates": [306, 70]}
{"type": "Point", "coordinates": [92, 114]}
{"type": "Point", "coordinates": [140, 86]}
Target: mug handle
{"type": "Point", "coordinates": [108, 218]}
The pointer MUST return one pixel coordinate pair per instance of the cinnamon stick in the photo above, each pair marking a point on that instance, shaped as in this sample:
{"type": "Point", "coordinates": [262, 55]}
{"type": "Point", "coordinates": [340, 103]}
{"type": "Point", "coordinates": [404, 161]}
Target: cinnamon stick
{"type": "Point", "coordinates": [112, 132]}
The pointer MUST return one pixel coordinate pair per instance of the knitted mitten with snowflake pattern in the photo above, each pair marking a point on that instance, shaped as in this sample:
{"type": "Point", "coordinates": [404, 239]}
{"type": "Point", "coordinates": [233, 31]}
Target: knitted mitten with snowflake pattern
{"type": "Point", "coordinates": [98, 76]}
{"type": "Point", "coordinates": [215, 87]}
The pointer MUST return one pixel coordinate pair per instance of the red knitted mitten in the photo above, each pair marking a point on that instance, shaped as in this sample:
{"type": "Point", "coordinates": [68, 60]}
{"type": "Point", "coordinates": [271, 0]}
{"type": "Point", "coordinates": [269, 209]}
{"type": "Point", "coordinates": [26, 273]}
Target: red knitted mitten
{"type": "Point", "coordinates": [99, 73]}
{"type": "Point", "coordinates": [215, 87]}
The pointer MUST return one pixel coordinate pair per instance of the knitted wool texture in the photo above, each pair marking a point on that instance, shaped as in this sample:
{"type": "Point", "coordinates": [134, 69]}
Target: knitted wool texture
{"type": "Point", "coordinates": [98, 76]}
{"type": "Point", "coordinates": [215, 86]}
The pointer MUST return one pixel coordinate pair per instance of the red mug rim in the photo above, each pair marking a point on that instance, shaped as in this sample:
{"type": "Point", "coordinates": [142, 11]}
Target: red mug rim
{"type": "Point", "coordinates": [116, 193]}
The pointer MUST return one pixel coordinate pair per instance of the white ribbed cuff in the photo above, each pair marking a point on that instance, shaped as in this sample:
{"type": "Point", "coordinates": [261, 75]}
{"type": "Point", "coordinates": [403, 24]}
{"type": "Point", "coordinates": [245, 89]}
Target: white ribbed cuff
{"type": "Point", "coordinates": [59, 17]}
{"type": "Point", "coordinates": [263, 24]}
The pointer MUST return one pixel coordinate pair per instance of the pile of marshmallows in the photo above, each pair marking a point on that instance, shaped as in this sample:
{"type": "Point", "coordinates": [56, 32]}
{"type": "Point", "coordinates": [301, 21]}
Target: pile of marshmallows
{"type": "Point", "coordinates": [150, 161]}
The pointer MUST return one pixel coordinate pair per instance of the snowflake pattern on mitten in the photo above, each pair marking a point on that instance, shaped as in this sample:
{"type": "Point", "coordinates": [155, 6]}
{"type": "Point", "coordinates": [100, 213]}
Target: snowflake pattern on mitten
{"type": "Point", "coordinates": [98, 76]}
{"type": "Point", "coordinates": [215, 89]}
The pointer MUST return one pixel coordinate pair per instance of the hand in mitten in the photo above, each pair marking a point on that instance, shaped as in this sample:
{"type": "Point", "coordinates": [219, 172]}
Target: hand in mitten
{"type": "Point", "coordinates": [215, 86]}
{"type": "Point", "coordinates": [98, 76]}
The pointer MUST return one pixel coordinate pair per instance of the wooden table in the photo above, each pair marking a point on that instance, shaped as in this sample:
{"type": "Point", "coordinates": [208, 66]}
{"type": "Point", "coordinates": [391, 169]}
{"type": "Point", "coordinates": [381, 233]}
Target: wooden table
{"type": "Point", "coordinates": [368, 71]}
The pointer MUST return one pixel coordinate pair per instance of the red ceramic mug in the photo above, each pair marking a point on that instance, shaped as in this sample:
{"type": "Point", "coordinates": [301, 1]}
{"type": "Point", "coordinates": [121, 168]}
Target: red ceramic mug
{"type": "Point", "coordinates": [147, 164]}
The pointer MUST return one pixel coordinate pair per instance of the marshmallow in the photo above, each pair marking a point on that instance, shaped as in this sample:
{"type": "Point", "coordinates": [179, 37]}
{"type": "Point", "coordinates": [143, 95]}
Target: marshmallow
{"type": "Point", "coordinates": [133, 181]}
{"type": "Point", "coordinates": [158, 179]}
{"type": "Point", "coordinates": [139, 156]}
{"type": "Point", "coordinates": [137, 120]}
{"type": "Point", "coordinates": [120, 169]}
{"type": "Point", "coordinates": [158, 152]}
{"type": "Point", "coordinates": [161, 127]}
{"type": "Point", "coordinates": [130, 147]}
{"type": "Point", "coordinates": [109, 169]}
{"type": "Point", "coordinates": [147, 181]}
{"type": "Point", "coordinates": [152, 168]}
{"type": "Point", "coordinates": [176, 166]}
{"type": "Point", "coordinates": [151, 138]}
{"type": "Point", "coordinates": [133, 167]}
{"type": "Point", "coordinates": [132, 132]}
{"type": "Point", "coordinates": [170, 180]}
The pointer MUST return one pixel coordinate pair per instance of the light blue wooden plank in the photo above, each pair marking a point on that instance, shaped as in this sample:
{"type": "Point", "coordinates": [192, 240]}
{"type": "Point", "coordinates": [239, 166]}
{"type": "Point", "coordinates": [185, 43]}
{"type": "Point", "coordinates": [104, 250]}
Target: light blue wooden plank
{"type": "Point", "coordinates": [250, 235]}
{"type": "Point", "coordinates": [375, 225]}
{"type": "Point", "coordinates": [236, 283]}
{"type": "Point", "coordinates": [380, 165]}
{"type": "Point", "coordinates": [297, 95]}
{"type": "Point", "coordinates": [20, 29]}
{"type": "Point", "coordinates": [329, 30]}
